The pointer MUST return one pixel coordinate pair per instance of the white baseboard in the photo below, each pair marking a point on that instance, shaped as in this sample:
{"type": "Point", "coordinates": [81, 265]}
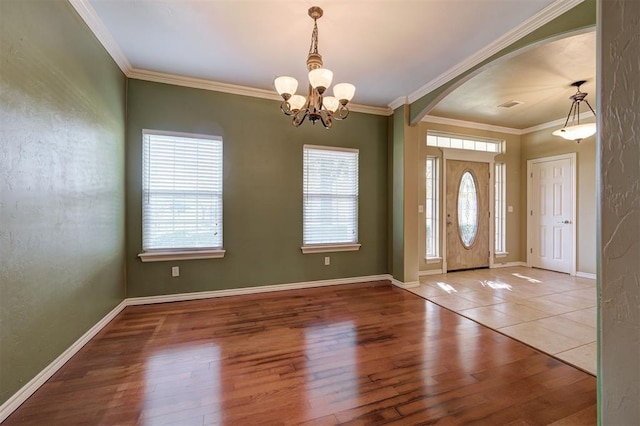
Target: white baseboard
{"type": "Point", "coordinates": [410, 284]}
{"type": "Point", "coordinates": [508, 264]}
{"type": "Point", "coordinates": [28, 389]}
{"type": "Point", "coordinates": [586, 275]}
{"type": "Point", "coordinates": [251, 290]}
{"type": "Point", "coordinates": [430, 272]}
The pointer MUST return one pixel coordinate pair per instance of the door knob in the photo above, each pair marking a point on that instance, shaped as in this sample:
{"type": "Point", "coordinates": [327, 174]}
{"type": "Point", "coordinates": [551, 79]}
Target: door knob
{"type": "Point", "coordinates": [566, 222]}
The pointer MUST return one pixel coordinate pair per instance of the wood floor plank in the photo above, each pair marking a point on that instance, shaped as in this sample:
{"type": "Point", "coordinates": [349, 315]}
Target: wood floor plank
{"type": "Point", "coordinates": [356, 354]}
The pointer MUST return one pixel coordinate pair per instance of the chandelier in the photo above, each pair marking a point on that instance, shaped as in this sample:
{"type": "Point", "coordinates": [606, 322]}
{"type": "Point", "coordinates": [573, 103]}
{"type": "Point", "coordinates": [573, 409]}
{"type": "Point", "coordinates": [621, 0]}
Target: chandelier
{"type": "Point", "coordinates": [315, 106]}
{"type": "Point", "coordinates": [576, 131]}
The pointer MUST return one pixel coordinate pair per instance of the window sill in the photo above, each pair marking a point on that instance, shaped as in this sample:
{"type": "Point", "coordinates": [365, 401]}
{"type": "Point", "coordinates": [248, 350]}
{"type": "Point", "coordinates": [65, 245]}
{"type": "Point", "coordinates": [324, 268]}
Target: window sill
{"type": "Point", "coordinates": [163, 256]}
{"type": "Point", "coordinates": [328, 248]}
{"type": "Point", "coordinates": [431, 260]}
{"type": "Point", "coordinates": [502, 254]}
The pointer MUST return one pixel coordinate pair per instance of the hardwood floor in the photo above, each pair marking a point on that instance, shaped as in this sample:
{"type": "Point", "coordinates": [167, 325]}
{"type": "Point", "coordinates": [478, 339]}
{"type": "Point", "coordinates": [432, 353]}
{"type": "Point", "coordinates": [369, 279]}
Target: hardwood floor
{"type": "Point", "coordinates": [364, 354]}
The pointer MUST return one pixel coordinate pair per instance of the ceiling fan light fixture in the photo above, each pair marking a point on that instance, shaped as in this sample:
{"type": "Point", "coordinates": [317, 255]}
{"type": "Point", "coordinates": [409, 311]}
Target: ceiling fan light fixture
{"type": "Point", "coordinates": [576, 131]}
{"type": "Point", "coordinates": [315, 107]}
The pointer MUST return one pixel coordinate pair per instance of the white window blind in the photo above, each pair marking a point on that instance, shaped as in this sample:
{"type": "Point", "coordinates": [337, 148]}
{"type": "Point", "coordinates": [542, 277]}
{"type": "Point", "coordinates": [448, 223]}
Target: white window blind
{"type": "Point", "coordinates": [500, 207]}
{"type": "Point", "coordinates": [330, 192]}
{"type": "Point", "coordinates": [182, 192]}
{"type": "Point", "coordinates": [432, 209]}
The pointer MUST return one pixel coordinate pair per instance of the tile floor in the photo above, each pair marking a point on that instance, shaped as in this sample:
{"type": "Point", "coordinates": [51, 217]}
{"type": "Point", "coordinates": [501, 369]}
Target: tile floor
{"type": "Point", "coordinates": [553, 312]}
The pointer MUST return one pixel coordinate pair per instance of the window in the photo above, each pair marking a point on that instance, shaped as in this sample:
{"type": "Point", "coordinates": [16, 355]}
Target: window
{"type": "Point", "coordinates": [500, 207]}
{"type": "Point", "coordinates": [471, 143]}
{"type": "Point", "coordinates": [330, 199]}
{"type": "Point", "coordinates": [468, 209]}
{"type": "Point", "coordinates": [432, 208]}
{"type": "Point", "coordinates": [182, 196]}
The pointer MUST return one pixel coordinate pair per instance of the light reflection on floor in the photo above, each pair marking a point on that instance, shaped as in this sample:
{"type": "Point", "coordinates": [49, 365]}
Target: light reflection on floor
{"type": "Point", "coordinates": [553, 312]}
{"type": "Point", "coordinates": [341, 340]}
{"type": "Point", "coordinates": [531, 280]}
{"type": "Point", "coordinates": [184, 377]}
{"type": "Point", "coordinates": [447, 287]}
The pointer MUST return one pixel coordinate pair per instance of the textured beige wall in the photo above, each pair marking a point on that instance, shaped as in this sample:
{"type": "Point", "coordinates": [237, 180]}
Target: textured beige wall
{"type": "Point", "coordinates": [511, 158]}
{"type": "Point", "coordinates": [619, 211]}
{"type": "Point", "coordinates": [542, 144]}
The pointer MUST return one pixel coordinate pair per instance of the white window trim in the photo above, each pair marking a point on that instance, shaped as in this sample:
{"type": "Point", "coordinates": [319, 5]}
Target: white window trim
{"type": "Point", "coordinates": [502, 214]}
{"type": "Point", "coordinates": [436, 219]}
{"type": "Point", "coordinates": [337, 247]}
{"type": "Point", "coordinates": [499, 143]}
{"type": "Point", "coordinates": [329, 248]}
{"type": "Point", "coordinates": [163, 256]}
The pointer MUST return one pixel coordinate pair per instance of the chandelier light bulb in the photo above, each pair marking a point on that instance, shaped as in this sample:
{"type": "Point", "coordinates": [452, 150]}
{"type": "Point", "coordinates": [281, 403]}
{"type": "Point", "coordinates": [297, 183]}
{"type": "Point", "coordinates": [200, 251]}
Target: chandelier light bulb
{"type": "Point", "coordinates": [320, 79]}
{"type": "Point", "coordinates": [344, 91]}
{"type": "Point", "coordinates": [330, 103]}
{"type": "Point", "coordinates": [297, 102]}
{"type": "Point", "coordinates": [286, 85]}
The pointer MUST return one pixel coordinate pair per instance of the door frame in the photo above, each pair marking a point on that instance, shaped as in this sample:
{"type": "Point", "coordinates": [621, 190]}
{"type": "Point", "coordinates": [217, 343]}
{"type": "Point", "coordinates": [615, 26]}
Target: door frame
{"type": "Point", "coordinates": [530, 231]}
{"type": "Point", "coordinates": [477, 157]}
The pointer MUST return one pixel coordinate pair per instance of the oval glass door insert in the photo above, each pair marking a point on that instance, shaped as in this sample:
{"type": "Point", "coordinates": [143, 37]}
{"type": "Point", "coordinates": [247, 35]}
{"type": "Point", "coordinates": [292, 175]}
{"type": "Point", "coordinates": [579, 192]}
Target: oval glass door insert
{"type": "Point", "coordinates": [467, 209]}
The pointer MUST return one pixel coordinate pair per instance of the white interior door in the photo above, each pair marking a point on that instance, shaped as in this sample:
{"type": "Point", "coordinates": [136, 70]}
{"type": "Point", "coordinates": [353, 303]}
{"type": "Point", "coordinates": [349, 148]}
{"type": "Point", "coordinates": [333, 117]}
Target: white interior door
{"type": "Point", "coordinates": [551, 214]}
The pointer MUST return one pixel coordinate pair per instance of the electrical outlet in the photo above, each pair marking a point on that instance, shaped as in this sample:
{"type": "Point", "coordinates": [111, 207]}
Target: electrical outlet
{"type": "Point", "coordinates": [510, 209]}
{"type": "Point", "coordinates": [421, 209]}
{"type": "Point", "coordinates": [175, 271]}
{"type": "Point", "coordinates": [327, 261]}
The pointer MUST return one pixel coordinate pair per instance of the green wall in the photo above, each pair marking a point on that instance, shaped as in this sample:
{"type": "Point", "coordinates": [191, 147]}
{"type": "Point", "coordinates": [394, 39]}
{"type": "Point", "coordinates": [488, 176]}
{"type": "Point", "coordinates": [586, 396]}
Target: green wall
{"type": "Point", "coordinates": [262, 190]}
{"type": "Point", "coordinates": [62, 118]}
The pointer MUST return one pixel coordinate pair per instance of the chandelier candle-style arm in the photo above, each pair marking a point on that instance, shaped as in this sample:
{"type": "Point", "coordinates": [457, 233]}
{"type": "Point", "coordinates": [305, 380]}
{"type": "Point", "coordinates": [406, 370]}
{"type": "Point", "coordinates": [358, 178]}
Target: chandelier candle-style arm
{"type": "Point", "coordinates": [316, 106]}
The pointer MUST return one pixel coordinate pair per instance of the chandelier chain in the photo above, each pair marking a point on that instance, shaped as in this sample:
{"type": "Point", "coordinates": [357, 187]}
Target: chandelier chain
{"type": "Point", "coordinates": [314, 38]}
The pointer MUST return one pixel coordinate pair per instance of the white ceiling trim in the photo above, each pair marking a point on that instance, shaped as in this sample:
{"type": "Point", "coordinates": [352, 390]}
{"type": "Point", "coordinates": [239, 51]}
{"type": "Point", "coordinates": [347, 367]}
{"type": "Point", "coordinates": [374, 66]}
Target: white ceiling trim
{"type": "Point", "coordinates": [546, 15]}
{"type": "Point", "coordinates": [95, 24]}
{"type": "Point", "coordinates": [198, 83]}
{"type": "Point", "coordinates": [470, 124]}
{"type": "Point", "coordinates": [489, 127]}
{"type": "Point", "coordinates": [555, 123]}
{"type": "Point", "coordinates": [398, 102]}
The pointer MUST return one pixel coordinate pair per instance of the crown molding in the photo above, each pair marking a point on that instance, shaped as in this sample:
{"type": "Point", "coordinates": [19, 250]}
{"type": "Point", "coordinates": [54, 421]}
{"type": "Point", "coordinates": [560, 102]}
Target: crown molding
{"type": "Point", "coordinates": [549, 13]}
{"type": "Point", "coordinates": [508, 130]}
{"type": "Point", "coordinates": [398, 102]}
{"type": "Point", "coordinates": [470, 124]}
{"type": "Point", "coordinates": [559, 122]}
{"type": "Point", "coordinates": [199, 83]}
{"type": "Point", "coordinates": [95, 24]}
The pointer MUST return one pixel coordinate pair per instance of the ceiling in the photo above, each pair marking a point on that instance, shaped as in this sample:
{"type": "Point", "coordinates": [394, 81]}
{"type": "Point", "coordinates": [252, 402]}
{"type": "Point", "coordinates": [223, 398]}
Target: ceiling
{"type": "Point", "coordinates": [540, 77]}
{"type": "Point", "coordinates": [389, 49]}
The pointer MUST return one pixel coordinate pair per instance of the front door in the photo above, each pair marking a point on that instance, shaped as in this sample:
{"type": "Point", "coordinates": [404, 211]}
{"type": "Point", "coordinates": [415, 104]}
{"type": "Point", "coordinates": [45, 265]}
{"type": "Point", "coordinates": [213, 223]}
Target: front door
{"type": "Point", "coordinates": [467, 215]}
{"type": "Point", "coordinates": [551, 215]}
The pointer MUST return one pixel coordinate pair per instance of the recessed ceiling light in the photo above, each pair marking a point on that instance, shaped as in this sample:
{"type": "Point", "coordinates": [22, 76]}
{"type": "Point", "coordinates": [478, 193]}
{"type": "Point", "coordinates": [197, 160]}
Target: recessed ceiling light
{"type": "Point", "coordinates": [510, 104]}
